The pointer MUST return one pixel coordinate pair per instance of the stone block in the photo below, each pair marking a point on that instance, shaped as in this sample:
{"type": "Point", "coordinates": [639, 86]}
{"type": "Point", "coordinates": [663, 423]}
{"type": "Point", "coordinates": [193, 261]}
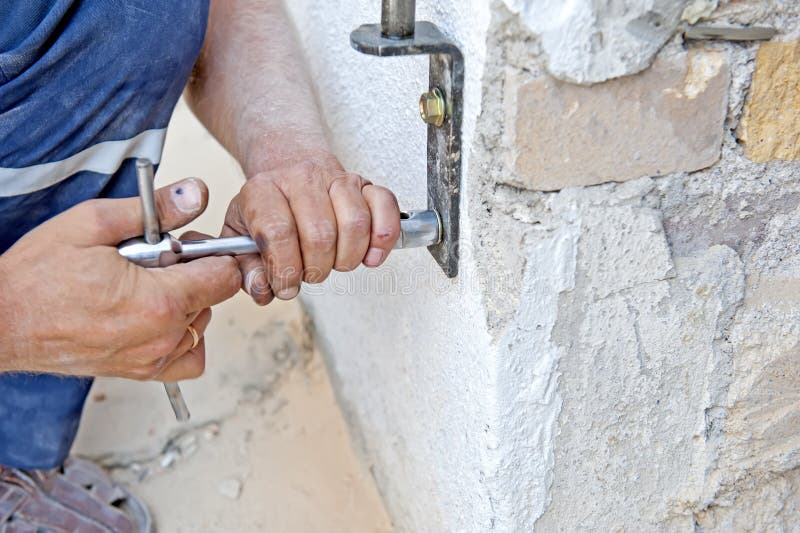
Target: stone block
{"type": "Point", "coordinates": [587, 41]}
{"type": "Point", "coordinates": [770, 125]}
{"type": "Point", "coordinates": [664, 120]}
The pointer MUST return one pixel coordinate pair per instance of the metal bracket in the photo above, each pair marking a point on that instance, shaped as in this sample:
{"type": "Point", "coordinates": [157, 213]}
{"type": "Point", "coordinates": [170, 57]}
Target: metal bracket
{"type": "Point", "coordinates": [444, 142]}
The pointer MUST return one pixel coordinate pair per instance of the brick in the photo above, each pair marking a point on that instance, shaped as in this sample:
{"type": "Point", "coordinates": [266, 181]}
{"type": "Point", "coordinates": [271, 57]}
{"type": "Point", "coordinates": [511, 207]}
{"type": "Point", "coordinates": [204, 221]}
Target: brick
{"type": "Point", "coordinates": [666, 119]}
{"type": "Point", "coordinates": [770, 125]}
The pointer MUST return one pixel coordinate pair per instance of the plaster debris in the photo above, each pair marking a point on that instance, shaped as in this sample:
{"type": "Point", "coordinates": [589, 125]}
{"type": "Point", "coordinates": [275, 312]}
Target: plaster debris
{"type": "Point", "coordinates": [770, 125]}
{"type": "Point", "coordinates": [210, 430]}
{"type": "Point", "coordinates": [168, 459]}
{"type": "Point", "coordinates": [590, 42]}
{"type": "Point", "coordinates": [231, 488]}
{"type": "Point", "coordinates": [187, 445]}
{"type": "Point", "coordinates": [667, 119]}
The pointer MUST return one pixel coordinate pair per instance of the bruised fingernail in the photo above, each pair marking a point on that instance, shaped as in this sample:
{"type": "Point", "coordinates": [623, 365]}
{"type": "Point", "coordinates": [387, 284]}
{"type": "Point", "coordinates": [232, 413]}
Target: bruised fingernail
{"type": "Point", "coordinates": [288, 293]}
{"type": "Point", "coordinates": [186, 195]}
{"type": "Point", "coordinates": [374, 257]}
{"type": "Point", "coordinates": [255, 283]}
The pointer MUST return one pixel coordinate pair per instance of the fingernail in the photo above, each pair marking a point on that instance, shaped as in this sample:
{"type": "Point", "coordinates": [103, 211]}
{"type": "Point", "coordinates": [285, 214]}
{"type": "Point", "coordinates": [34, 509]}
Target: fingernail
{"type": "Point", "coordinates": [255, 283]}
{"type": "Point", "coordinates": [186, 195]}
{"type": "Point", "coordinates": [288, 293]}
{"type": "Point", "coordinates": [374, 257]}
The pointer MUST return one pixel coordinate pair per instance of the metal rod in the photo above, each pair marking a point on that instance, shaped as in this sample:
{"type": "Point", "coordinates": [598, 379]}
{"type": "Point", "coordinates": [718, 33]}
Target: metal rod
{"type": "Point", "coordinates": [417, 229]}
{"type": "Point", "coordinates": [152, 235]}
{"type": "Point", "coordinates": [222, 246]}
{"type": "Point", "coordinates": [144, 175]}
{"type": "Point", "coordinates": [176, 401]}
{"type": "Point", "coordinates": [398, 18]}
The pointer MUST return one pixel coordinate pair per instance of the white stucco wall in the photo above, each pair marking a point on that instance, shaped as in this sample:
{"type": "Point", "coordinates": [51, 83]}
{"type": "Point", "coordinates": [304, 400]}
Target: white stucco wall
{"type": "Point", "coordinates": [408, 347]}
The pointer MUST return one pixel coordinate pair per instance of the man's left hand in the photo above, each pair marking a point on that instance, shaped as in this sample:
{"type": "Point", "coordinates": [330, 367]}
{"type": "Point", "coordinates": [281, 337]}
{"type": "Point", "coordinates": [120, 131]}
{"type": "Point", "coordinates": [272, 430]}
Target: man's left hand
{"type": "Point", "coordinates": [309, 218]}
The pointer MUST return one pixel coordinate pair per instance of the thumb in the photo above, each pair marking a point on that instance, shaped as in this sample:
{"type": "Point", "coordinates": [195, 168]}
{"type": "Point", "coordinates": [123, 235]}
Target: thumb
{"type": "Point", "coordinates": [115, 220]}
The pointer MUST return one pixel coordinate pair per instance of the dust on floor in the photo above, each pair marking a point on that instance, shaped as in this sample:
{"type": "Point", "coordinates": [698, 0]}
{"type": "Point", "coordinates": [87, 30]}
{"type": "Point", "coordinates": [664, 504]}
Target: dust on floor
{"type": "Point", "coordinates": [266, 449]}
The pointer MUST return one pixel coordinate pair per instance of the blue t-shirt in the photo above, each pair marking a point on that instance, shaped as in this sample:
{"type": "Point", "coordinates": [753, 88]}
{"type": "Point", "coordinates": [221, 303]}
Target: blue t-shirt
{"type": "Point", "coordinates": [85, 87]}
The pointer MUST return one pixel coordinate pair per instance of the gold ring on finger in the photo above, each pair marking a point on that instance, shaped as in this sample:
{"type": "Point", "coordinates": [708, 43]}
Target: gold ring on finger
{"type": "Point", "coordinates": [195, 336]}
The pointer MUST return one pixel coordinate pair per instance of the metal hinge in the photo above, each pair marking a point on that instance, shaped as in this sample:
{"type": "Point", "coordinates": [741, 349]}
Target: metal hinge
{"type": "Point", "coordinates": [398, 35]}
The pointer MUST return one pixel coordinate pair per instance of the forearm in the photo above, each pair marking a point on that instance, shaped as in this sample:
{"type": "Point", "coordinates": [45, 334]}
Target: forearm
{"type": "Point", "coordinates": [251, 88]}
{"type": "Point", "coordinates": [7, 329]}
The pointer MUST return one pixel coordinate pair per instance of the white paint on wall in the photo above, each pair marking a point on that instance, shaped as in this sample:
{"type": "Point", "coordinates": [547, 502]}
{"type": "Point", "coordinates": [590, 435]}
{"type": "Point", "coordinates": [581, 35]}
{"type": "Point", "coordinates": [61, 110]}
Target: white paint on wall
{"type": "Point", "coordinates": [408, 349]}
{"type": "Point", "coordinates": [587, 41]}
{"type": "Point", "coordinates": [527, 376]}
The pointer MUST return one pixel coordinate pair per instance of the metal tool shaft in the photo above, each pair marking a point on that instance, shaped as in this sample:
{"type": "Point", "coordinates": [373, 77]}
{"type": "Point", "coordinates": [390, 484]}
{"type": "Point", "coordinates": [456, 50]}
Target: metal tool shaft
{"type": "Point", "coordinates": [398, 18]}
{"type": "Point", "coordinates": [176, 401]}
{"type": "Point", "coordinates": [152, 235]}
{"type": "Point", "coordinates": [417, 229]}
{"type": "Point", "coordinates": [223, 246]}
{"type": "Point", "coordinates": [144, 176]}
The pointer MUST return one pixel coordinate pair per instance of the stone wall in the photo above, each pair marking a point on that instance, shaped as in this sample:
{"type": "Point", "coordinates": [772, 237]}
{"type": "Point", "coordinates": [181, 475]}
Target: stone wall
{"type": "Point", "coordinates": [620, 351]}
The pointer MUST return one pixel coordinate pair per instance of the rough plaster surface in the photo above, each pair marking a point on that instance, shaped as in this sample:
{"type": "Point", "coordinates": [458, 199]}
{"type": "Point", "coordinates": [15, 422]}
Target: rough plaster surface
{"type": "Point", "coordinates": [590, 41]}
{"type": "Point", "coordinates": [670, 361]}
{"type": "Point", "coordinates": [667, 119]}
{"type": "Point", "coordinates": [614, 357]}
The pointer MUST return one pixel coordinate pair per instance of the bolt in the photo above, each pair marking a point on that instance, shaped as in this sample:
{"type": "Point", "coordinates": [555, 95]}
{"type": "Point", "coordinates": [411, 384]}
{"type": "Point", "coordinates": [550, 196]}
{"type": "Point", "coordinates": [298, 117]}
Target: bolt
{"type": "Point", "coordinates": [431, 107]}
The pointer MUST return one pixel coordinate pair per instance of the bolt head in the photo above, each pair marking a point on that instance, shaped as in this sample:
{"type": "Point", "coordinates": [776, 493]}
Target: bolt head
{"type": "Point", "coordinates": [432, 108]}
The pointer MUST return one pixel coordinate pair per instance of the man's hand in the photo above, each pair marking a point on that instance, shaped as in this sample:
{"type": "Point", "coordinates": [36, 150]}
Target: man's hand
{"type": "Point", "coordinates": [307, 219]}
{"type": "Point", "coordinates": [70, 304]}
{"type": "Point", "coordinates": [251, 89]}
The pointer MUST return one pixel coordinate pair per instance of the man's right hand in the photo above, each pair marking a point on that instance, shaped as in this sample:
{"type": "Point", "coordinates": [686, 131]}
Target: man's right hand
{"type": "Point", "coordinates": [70, 304]}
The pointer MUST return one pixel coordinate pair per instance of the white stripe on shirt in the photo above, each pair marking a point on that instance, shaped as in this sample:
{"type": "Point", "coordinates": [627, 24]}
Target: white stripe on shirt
{"type": "Point", "coordinates": [104, 158]}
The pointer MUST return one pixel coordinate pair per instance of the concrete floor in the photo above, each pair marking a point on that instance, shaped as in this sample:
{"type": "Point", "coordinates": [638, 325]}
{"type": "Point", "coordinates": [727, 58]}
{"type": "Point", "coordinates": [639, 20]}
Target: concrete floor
{"type": "Point", "coordinates": [267, 448]}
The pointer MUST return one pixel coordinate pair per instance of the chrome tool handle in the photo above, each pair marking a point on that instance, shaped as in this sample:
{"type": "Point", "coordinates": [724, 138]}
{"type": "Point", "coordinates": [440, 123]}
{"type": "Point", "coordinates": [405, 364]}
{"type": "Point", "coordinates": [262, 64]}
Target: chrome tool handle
{"type": "Point", "coordinates": [417, 229]}
{"type": "Point", "coordinates": [222, 246]}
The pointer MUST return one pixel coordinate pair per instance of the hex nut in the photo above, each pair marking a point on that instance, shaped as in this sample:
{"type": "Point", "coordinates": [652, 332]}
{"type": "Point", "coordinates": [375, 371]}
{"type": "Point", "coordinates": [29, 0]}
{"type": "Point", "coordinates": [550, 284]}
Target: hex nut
{"type": "Point", "coordinates": [432, 107]}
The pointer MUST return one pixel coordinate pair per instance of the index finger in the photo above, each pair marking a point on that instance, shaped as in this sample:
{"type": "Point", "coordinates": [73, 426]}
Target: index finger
{"type": "Point", "coordinates": [202, 282]}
